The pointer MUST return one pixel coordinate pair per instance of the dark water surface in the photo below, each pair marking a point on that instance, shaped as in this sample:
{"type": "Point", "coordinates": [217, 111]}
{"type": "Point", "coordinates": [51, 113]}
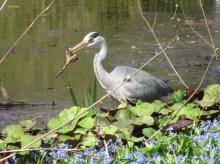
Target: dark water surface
{"type": "Point", "coordinates": [29, 72]}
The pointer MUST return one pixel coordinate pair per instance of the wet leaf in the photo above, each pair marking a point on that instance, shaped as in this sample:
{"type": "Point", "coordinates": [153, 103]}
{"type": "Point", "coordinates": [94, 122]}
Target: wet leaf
{"type": "Point", "coordinates": [87, 123]}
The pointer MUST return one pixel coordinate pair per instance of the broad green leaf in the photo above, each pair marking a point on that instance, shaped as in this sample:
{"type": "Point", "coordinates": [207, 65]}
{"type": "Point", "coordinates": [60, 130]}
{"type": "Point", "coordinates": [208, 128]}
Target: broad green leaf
{"type": "Point", "coordinates": [10, 139]}
{"type": "Point", "coordinates": [127, 135]}
{"type": "Point", "coordinates": [55, 122]}
{"type": "Point", "coordinates": [190, 112]}
{"type": "Point", "coordinates": [148, 132]}
{"type": "Point", "coordinates": [143, 109]}
{"type": "Point", "coordinates": [69, 114]}
{"type": "Point", "coordinates": [178, 96]}
{"type": "Point", "coordinates": [124, 124]}
{"type": "Point", "coordinates": [211, 96]}
{"type": "Point", "coordinates": [165, 111]}
{"type": "Point", "coordinates": [63, 138]}
{"type": "Point", "coordinates": [147, 120]}
{"type": "Point", "coordinates": [123, 106]}
{"type": "Point", "coordinates": [82, 131]}
{"type": "Point", "coordinates": [87, 123]}
{"type": "Point", "coordinates": [28, 124]}
{"type": "Point", "coordinates": [90, 140]}
{"type": "Point", "coordinates": [124, 115]}
{"type": "Point", "coordinates": [27, 139]}
{"type": "Point", "coordinates": [111, 130]}
{"type": "Point", "coordinates": [2, 145]}
{"type": "Point", "coordinates": [163, 121]}
{"type": "Point", "coordinates": [101, 115]}
{"type": "Point", "coordinates": [14, 131]}
{"type": "Point", "coordinates": [158, 105]}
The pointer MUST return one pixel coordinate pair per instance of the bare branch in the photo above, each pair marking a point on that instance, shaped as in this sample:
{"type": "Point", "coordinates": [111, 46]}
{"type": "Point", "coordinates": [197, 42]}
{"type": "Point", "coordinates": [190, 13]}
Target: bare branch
{"type": "Point", "coordinates": [25, 32]}
{"type": "Point", "coordinates": [155, 37]}
{"type": "Point", "coordinates": [4, 3]}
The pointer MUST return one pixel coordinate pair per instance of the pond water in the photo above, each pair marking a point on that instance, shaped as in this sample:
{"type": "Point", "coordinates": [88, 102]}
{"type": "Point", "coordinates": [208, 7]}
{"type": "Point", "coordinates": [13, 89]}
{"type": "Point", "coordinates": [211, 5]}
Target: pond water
{"type": "Point", "coordinates": [29, 72]}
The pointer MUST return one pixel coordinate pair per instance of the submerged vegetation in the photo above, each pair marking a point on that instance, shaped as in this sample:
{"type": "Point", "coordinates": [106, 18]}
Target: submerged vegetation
{"type": "Point", "coordinates": [148, 132]}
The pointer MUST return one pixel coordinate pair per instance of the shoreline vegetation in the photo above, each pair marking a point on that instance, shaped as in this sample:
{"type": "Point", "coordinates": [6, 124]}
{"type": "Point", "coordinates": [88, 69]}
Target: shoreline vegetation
{"type": "Point", "coordinates": [125, 134]}
{"type": "Point", "coordinates": [186, 129]}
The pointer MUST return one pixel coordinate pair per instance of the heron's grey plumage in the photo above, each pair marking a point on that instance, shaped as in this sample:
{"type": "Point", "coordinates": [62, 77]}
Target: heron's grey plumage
{"type": "Point", "coordinates": [142, 86]}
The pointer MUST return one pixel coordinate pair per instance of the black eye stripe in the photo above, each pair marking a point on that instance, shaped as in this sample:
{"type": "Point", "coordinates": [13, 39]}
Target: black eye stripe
{"type": "Point", "coordinates": [94, 35]}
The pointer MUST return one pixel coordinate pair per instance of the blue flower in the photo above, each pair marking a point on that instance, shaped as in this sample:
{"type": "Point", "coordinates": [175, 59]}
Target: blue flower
{"type": "Point", "coordinates": [59, 154]}
{"type": "Point", "coordinates": [128, 157]}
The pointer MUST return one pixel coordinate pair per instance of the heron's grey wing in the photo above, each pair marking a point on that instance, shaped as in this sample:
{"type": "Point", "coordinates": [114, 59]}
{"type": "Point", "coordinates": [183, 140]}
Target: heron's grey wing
{"type": "Point", "coordinates": [142, 86]}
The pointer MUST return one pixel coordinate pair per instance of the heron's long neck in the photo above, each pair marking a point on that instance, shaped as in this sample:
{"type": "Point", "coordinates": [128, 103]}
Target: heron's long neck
{"type": "Point", "coordinates": [101, 74]}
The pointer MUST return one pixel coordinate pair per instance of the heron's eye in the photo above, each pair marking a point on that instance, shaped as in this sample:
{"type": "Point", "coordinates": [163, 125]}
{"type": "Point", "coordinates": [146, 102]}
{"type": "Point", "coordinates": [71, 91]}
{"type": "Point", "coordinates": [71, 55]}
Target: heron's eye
{"type": "Point", "coordinates": [91, 40]}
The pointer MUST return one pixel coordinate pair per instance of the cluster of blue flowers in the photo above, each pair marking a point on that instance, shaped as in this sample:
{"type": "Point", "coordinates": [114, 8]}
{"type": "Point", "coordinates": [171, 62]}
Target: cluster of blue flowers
{"type": "Point", "coordinates": [206, 144]}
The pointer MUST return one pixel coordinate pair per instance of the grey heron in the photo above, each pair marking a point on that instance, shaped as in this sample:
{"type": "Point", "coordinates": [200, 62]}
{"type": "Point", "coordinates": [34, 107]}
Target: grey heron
{"type": "Point", "coordinates": [142, 86]}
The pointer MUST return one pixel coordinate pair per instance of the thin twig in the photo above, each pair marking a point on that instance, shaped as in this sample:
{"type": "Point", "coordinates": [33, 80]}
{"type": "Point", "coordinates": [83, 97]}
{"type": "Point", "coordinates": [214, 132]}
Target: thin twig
{"type": "Point", "coordinates": [76, 151]}
{"type": "Point", "coordinates": [25, 32]}
{"type": "Point", "coordinates": [155, 37]}
{"type": "Point", "coordinates": [208, 29]}
{"type": "Point", "coordinates": [197, 88]}
{"type": "Point", "coordinates": [174, 15]}
{"type": "Point", "coordinates": [94, 104]}
{"type": "Point", "coordinates": [192, 28]}
{"type": "Point", "coordinates": [4, 3]}
{"type": "Point", "coordinates": [155, 18]}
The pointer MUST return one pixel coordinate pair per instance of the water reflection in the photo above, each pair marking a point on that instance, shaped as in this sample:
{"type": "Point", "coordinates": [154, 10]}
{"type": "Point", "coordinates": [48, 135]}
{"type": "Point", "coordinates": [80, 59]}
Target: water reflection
{"type": "Point", "coordinates": [29, 72]}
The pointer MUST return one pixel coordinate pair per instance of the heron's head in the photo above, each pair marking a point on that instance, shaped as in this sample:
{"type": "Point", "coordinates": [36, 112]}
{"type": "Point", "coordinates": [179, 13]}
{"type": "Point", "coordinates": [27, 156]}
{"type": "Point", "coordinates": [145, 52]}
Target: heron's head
{"type": "Point", "coordinates": [91, 39]}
